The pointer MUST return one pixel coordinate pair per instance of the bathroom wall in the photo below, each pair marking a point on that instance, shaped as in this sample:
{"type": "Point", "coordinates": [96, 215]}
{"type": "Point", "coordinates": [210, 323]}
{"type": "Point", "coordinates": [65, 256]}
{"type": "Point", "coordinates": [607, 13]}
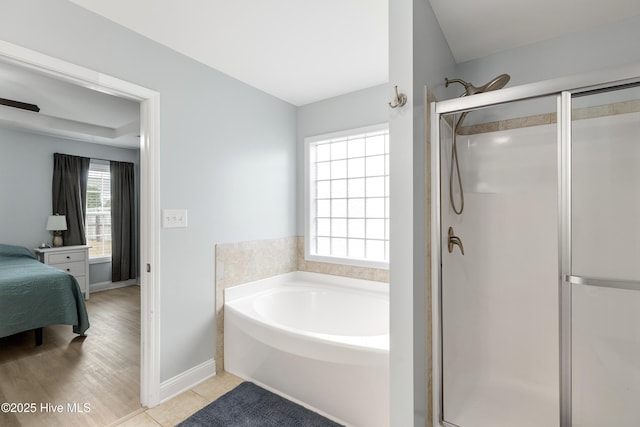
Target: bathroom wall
{"type": "Point", "coordinates": [350, 111]}
{"type": "Point", "coordinates": [601, 47]}
{"type": "Point", "coordinates": [419, 58]}
{"type": "Point", "coordinates": [227, 155]}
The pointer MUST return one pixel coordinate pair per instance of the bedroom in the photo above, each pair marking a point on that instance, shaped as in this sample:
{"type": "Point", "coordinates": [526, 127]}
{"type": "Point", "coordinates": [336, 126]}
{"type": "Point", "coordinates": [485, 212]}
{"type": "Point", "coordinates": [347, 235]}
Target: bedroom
{"type": "Point", "coordinates": [28, 149]}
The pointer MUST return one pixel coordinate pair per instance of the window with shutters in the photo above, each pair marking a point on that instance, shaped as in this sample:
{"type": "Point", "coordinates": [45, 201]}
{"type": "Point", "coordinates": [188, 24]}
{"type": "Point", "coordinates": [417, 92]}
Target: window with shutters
{"type": "Point", "coordinates": [98, 226]}
{"type": "Point", "coordinates": [347, 197]}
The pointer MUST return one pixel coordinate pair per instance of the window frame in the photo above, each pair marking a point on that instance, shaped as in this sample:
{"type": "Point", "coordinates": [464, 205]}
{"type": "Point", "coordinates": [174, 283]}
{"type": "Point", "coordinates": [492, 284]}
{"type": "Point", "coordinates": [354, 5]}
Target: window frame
{"type": "Point", "coordinates": [106, 165]}
{"type": "Point", "coordinates": [309, 199]}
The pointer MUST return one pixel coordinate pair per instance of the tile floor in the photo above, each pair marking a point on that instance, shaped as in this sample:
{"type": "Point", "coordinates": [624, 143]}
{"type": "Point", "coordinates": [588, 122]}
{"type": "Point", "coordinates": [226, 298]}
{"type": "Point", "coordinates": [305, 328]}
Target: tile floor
{"type": "Point", "coordinates": [182, 406]}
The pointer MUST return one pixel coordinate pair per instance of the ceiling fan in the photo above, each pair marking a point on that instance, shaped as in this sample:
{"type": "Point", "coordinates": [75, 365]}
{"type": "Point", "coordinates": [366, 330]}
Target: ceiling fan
{"type": "Point", "coordinates": [18, 104]}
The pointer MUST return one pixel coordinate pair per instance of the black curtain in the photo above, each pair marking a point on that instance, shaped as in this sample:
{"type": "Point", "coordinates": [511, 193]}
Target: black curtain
{"type": "Point", "coordinates": [123, 222]}
{"type": "Point", "coordinates": [70, 176]}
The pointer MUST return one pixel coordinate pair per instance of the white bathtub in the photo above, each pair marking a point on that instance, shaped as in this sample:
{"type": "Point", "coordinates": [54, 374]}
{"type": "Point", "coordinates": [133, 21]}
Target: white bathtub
{"type": "Point", "coordinates": [318, 339]}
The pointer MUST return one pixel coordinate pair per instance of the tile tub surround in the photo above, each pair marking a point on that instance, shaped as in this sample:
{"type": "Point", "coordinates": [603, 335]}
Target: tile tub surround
{"type": "Point", "coordinates": [613, 109]}
{"type": "Point", "coordinates": [238, 263]}
{"type": "Point", "coordinates": [365, 273]}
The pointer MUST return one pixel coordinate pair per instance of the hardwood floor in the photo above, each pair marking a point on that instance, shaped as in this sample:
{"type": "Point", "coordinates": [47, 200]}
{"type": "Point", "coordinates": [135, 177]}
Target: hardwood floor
{"type": "Point", "coordinates": [88, 381]}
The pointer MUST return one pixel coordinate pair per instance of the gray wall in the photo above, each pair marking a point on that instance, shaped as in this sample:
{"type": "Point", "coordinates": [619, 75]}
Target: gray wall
{"type": "Point", "coordinates": [227, 155]}
{"type": "Point", "coordinates": [602, 47]}
{"type": "Point", "coordinates": [357, 109]}
{"type": "Point", "coordinates": [418, 56]}
{"type": "Point", "coordinates": [26, 169]}
{"type": "Point", "coordinates": [428, 71]}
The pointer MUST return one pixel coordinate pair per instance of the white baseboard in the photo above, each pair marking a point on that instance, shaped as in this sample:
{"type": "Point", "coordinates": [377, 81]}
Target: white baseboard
{"type": "Point", "coordinates": [187, 380]}
{"type": "Point", "coordinates": [104, 286]}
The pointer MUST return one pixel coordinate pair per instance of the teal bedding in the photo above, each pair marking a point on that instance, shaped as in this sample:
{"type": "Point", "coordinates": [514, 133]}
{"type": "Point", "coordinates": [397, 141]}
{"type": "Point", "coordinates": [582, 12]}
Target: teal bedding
{"type": "Point", "coordinates": [33, 295]}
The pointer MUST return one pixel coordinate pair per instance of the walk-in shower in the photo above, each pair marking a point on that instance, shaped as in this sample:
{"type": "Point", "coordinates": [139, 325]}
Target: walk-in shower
{"type": "Point", "coordinates": [538, 324]}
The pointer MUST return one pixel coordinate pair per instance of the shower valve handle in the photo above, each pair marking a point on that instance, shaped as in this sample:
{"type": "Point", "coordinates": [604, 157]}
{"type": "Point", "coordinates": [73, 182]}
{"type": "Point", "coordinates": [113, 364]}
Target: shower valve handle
{"type": "Point", "coordinates": [454, 240]}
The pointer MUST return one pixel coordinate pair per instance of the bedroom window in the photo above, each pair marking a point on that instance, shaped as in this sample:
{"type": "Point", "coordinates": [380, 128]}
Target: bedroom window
{"type": "Point", "coordinates": [98, 227]}
{"type": "Point", "coordinates": [347, 197]}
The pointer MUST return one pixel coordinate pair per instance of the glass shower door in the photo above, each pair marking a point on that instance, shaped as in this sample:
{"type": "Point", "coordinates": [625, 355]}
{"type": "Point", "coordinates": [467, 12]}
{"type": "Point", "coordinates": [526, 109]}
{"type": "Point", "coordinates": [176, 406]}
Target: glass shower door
{"type": "Point", "coordinates": [605, 261]}
{"type": "Point", "coordinates": [499, 300]}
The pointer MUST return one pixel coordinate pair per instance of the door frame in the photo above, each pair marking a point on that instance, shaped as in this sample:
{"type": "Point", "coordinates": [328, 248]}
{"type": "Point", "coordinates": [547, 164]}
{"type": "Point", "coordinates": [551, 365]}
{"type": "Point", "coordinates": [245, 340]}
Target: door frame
{"type": "Point", "coordinates": [149, 193]}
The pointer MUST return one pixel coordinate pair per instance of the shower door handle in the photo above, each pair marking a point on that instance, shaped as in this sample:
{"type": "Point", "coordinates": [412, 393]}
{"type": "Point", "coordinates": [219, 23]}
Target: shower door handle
{"type": "Point", "coordinates": [454, 240]}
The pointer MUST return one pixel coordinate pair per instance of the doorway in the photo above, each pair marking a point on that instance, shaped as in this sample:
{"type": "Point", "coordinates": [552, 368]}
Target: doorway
{"type": "Point", "coordinates": [149, 193]}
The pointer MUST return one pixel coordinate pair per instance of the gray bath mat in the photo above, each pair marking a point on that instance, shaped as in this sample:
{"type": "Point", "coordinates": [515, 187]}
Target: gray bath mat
{"type": "Point", "coordinates": [248, 405]}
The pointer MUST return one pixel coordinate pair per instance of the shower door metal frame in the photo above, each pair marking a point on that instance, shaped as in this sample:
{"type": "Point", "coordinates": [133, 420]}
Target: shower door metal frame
{"type": "Point", "coordinates": [563, 88]}
{"type": "Point", "coordinates": [564, 253]}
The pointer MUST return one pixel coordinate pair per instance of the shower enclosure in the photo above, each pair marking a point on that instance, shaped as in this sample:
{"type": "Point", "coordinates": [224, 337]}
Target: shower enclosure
{"type": "Point", "coordinates": [536, 284]}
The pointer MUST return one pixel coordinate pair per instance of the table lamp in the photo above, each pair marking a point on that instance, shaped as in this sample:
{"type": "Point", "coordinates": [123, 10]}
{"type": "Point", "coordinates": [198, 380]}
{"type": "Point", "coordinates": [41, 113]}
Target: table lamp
{"type": "Point", "coordinates": [57, 224]}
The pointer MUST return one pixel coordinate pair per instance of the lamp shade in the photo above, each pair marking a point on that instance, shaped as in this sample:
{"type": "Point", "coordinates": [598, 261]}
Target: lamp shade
{"type": "Point", "coordinates": [57, 223]}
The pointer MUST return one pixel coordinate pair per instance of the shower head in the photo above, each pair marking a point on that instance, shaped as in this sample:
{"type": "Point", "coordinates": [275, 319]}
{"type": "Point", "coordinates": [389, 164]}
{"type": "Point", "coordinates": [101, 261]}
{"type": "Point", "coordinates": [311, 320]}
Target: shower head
{"type": "Point", "coordinates": [495, 84]}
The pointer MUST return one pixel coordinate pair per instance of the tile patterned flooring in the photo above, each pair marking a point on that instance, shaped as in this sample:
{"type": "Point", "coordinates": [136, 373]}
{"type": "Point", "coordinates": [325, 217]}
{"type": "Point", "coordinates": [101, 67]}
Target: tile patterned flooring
{"type": "Point", "coordinates": [182, 406]}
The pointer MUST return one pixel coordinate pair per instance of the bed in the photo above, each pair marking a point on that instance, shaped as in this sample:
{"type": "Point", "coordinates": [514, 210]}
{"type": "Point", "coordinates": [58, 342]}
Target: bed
{"type": "Point", "coordinates": [34, 295]}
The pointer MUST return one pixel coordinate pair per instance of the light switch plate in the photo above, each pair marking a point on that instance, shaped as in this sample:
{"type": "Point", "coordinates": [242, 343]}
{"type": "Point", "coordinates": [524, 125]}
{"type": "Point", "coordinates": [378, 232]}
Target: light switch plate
{"type": "Point", "coordinates": [174, 218]}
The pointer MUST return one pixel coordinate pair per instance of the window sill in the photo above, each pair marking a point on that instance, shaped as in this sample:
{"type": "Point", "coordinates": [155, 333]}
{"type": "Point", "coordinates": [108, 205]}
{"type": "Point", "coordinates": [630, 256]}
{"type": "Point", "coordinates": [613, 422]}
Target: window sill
{"type": "Point", "coordinates": [347, 261]}
{"type": "Point", "coordinates": [100, 260]}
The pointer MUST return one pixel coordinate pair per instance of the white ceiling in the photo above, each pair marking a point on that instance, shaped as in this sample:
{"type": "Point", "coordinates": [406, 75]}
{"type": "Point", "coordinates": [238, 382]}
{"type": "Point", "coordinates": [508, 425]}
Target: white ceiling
{"type": "Point", "coordinates": [67, 110]}
{"type": "Point", "coordinates": [299, 51]}
{"type": "Point", "coordinates": [304, 51]}
{"type": "Point", "coordinates": [477, 28]}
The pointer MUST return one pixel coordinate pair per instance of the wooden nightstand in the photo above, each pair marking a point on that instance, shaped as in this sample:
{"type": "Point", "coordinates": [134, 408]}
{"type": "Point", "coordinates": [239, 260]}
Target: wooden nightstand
{"type": "Point", "coordinates": [72, 259]}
